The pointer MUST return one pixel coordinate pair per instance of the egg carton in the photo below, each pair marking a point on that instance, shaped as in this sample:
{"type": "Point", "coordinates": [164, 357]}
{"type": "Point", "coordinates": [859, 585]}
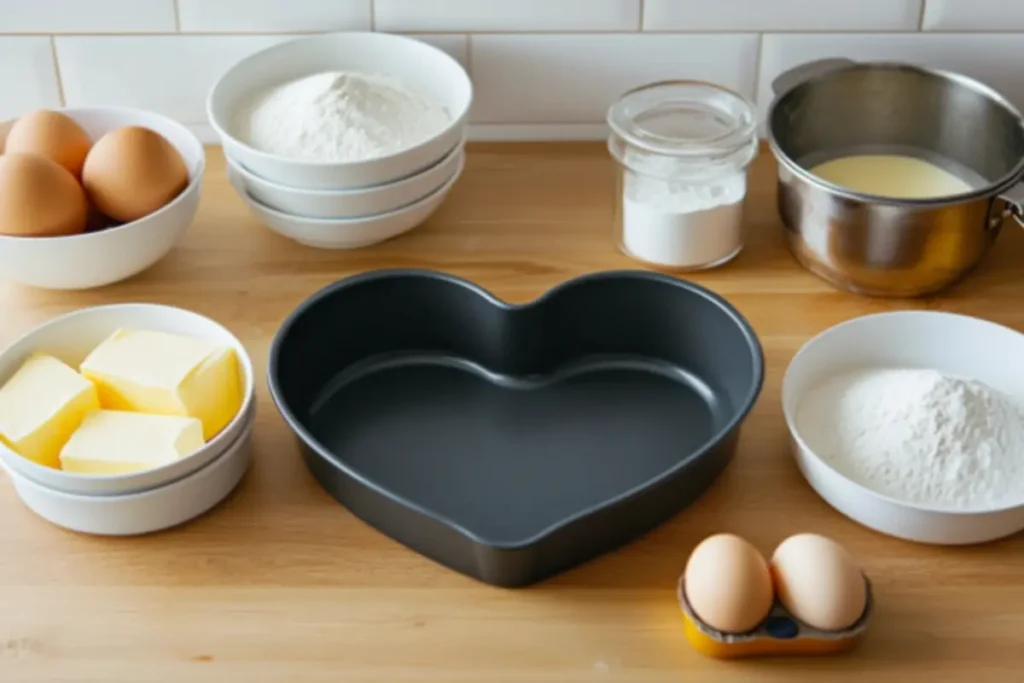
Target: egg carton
{"type": "Point", "coordinates": [780, 633]}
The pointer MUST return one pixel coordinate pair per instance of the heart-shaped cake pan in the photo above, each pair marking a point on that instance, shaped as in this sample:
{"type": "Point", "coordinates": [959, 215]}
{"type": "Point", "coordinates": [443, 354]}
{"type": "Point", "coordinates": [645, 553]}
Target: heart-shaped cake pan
{"type": "Point", "coordinates": [511, 442]}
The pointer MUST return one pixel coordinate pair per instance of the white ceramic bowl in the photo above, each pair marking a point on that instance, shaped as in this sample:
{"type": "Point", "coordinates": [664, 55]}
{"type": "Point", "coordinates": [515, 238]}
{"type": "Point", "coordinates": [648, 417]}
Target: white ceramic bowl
{"type": "Point", "coordinates": [346, 233]}
{"type": "Point", "coordinates": [70, 338]}
{"type": "Point", "coordinates": [954, 344]}
{"type": "Point", "coordinates": [146, 511]}
{"type": "Point", "coordinates": [95, 259]}
{"type": "Point", "coordinates": [420, 67]}
{"type": "Point", "coordinates": [368, 201]}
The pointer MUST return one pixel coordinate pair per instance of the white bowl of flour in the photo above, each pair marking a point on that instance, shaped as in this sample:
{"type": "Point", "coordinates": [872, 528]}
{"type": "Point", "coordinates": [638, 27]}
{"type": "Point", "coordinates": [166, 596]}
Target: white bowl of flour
{"type": "Point", "coordinates": [341, 111]}
{"type": "Point", "coordinates": [912, 424]}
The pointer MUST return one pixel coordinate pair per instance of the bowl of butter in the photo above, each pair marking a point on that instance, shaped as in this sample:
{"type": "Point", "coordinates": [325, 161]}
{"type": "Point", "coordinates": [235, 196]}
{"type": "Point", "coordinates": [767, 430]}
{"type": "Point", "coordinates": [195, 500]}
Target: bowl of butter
{"type": "Point", "coordinates": [121, 399]}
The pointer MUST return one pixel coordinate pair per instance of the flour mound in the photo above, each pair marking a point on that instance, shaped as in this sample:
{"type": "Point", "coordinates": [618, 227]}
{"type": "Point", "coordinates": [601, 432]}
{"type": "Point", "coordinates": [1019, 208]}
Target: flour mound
{"type": "Point", "coordinates": [339, 117]}
{"type": "Point", "coordinates": [919, 436]}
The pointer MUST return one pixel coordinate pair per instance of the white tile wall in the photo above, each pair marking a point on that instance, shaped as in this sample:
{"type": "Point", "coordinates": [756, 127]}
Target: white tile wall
{"type": "Point", "coordinates": [543, 69]}
{"type": "Point", "coordinates": [971, 15]}
{"type": "Point", "coordinates": [27, 75]}
{"type": "Point", "coordinates": [781, 15]}
{"type": "Point", "coordinates": [85, 16]}
{"type": "Point", "coordinates": [506, 15]}
{"type": "Point", "coordinates": [562, 78]}
{"type": "Point", "coordinates": [240, 16]}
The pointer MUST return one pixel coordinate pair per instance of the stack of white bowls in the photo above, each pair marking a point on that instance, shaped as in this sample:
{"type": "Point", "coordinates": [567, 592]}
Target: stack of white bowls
{"type": "Point", "coordinates": [137, 502]}
{"type": "Point", "coordinates": [345, 205]}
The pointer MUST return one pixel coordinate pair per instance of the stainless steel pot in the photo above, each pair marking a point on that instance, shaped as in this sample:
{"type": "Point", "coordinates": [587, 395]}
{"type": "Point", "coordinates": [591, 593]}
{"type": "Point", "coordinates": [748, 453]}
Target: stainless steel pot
{"type": "Point", "coordinates": [876, 245]}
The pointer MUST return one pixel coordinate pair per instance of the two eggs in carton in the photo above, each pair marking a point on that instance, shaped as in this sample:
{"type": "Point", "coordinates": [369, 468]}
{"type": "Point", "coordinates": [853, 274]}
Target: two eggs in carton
{"type": "Point", "coordinates": [140, 400]}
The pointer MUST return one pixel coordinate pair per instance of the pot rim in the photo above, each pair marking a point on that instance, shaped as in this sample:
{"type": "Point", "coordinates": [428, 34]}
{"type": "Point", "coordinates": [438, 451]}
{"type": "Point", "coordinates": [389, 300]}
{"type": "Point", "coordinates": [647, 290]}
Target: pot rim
{"type": "Point", "coordinates": [998, 186]}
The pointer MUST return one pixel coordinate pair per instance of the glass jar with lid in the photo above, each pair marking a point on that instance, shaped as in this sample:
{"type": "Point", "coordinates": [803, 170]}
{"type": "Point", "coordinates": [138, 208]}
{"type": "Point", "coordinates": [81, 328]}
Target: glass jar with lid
{"type": "Point", "coordinates": [683, 148]}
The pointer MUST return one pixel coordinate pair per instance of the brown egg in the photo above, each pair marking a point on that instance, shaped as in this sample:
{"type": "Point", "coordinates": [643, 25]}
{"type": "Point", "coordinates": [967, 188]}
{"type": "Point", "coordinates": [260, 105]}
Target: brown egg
{"type": "Point", "coordinates": [819, 582]}
{"type": "Point", "coordinates": [52, 135]}
{"type": "Point", "coordinates": [131, 172]}
{"type": "Point", "coordinates": [727, 584]}
{"type": "Point", "coordinates": [39, 198]}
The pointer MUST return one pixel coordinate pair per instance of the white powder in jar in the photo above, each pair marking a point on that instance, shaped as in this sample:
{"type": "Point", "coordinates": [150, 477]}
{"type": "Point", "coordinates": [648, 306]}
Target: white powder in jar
{"type": "Point", "coordinates": [681, 223]}
{"type": "Point", "coordinates": [339, 116]}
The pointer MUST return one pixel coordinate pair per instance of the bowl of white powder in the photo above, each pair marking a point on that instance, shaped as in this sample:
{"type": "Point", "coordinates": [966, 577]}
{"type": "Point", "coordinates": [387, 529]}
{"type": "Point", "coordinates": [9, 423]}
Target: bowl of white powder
{"type": "Point", "coordinates": [912, 424]}
{"type": "Point", "coordinates": [341, 111]}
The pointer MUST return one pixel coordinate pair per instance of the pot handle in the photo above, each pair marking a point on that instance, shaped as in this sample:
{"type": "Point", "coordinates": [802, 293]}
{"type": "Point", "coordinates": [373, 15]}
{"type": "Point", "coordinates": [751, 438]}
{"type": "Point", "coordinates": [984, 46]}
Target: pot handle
{"type": "Point", "coordinates": [1014, 198]}
{"type": "Point", "coordinates": [798, 74]}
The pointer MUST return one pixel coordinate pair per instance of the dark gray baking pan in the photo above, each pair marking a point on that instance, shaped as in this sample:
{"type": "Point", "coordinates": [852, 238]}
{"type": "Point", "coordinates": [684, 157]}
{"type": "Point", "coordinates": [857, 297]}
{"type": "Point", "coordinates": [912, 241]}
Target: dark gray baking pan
{"type": "Point", "coordinates": [513, 442]}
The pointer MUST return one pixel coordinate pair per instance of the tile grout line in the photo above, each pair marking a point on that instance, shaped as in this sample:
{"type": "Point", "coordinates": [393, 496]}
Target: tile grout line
{"type": "Point", "coordinates": [534, 32]}
{"type": "Point", "coordinates": [177, 15]}
{"type": "Point", "coordinates": [758, 57]}
{"type": "Point", "coordinates": [56, 71]}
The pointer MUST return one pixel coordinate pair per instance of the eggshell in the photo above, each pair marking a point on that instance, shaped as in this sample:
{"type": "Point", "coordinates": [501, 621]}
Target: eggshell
{"type": "Point", "coordinates": [131, 172]}
{"type": "Point", "coordinates": [819, 582]}
{"type": "Point", "coordinates": [39, 198]}
{"type": "Point", "coordinates": [53, 135]}
{"type": "Point", "coordinates": [727, 584]}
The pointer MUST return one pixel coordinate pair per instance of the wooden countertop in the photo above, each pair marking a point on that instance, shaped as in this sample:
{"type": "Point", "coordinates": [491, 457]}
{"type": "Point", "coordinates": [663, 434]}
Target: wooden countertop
{"type": "Point", "coordinates": [282, 584]}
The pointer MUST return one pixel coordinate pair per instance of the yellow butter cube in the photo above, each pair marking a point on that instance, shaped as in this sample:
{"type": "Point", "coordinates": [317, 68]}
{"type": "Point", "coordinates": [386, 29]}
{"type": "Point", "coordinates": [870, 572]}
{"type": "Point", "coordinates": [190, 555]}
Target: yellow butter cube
{"type": "Point", "coordinates": [116, 442]}
{"type": "Point", "coordinates": [41, 405]}
{"type": "Point", "coordinates": [167, 374]}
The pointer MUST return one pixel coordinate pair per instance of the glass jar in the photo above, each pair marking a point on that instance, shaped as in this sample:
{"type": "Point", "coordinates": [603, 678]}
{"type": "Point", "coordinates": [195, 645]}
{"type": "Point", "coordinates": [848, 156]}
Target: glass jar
{"type": "Point", "coordinates": [682, 148]}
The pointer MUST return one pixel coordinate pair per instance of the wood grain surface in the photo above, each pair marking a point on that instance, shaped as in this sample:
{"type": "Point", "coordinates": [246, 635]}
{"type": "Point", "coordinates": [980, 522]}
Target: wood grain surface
{"type": "Point", "coordinates": [282, 584]}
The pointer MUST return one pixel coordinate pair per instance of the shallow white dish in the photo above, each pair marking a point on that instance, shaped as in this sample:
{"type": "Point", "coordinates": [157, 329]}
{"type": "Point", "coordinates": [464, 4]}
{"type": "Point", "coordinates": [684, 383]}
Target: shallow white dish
{"type": "Point", "coordinates": [71, 337]}
{"type": "Point", "coordinates": [146, 511]}
{"type": "Point", "coordinates": [95, 259]}
{"type": "Point", "coordinates": [954, 344]}
{"type": "Point", "coordinates": [421, 67]}
{"type": "Point", "coordinates": [346, 233]}
{"type": "Point", "coordinates": [368, 201]}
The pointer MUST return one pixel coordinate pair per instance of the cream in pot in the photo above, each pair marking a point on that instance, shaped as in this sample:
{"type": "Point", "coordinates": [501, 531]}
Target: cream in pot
{"type": "Point", "coordinates": [869, 157]}
{"type": "Point", "coordinates": [891, 175]}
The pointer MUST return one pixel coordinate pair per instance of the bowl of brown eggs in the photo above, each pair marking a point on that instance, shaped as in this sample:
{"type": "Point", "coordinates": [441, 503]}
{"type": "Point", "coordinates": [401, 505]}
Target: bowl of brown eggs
{"type": "Point", "coordinates": [92, 196]}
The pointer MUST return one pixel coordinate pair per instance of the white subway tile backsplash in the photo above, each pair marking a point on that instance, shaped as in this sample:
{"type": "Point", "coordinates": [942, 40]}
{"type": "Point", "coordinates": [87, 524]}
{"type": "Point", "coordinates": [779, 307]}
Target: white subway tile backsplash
{"type": "Point", "coordinates": [528, 79]}
{"type": "Point", "coordinates": [281, 16]}
{"type": "Point", "coordinates": [781, 15]}
{"type": "Point", "coordinates": [974, 15]}
{"type": "Point", "coordinates": [993, 59]}
{"type": "Point", "coordinates": [455, 45]}
{"type": "Point", "coordinates": [542, 69]}
{"type": "Point", "coordinates": [83, 16]}
{"type": "Point", "coordinates": [28, 76]}
{"type": "Point", "coordinates": [168, 74]}
{"type": "Point", "coordinates": [506, 15]}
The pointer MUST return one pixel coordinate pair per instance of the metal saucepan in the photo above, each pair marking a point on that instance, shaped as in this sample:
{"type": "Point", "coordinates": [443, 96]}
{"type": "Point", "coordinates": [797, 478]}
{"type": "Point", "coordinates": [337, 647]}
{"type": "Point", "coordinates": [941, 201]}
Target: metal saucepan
{"type": "Point", "coordinates": [892, 247]}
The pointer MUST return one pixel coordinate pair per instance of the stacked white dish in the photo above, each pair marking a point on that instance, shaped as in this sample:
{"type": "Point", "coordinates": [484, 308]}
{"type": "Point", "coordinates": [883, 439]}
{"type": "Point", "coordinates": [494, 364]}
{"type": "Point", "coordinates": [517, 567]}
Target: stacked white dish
{"type": "Point", "coordinates": [136, 502]}
{"type": "Point", "coordinates": [350, 204]}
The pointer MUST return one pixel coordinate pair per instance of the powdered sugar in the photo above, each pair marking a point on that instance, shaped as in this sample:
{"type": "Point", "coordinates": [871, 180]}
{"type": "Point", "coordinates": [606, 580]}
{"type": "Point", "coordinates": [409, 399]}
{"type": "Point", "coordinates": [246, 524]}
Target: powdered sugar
{"type": "Point", "coordinates": [919, 436]}
{"type": "Point", "coordinates": [679, 223]}
{"type": "Point", "coordinates": [340, 117]}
